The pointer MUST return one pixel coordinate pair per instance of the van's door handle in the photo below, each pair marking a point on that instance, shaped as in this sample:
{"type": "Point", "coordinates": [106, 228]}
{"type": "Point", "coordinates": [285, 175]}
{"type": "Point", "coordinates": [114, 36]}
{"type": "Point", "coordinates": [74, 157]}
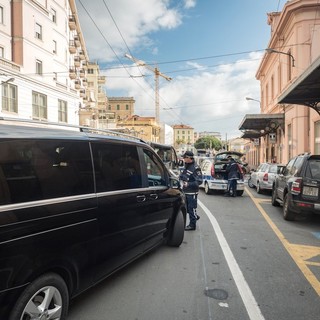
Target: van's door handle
{"type": "Point", "coordinates": [153, 196]}
{"type": "Point", "coordinates": [141, 198]}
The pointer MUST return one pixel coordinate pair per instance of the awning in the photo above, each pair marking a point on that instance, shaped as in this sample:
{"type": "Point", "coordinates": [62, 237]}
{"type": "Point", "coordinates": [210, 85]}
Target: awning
{"type": "Point", "coordinates": [252, 134]}
{"type": "Point", "coordinates": [267, 122]}
{"type": "Point", "coordinates": [305, 90]}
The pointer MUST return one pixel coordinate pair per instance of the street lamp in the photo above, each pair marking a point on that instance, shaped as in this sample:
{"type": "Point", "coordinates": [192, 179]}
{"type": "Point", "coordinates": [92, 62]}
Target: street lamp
{"type": "Point", "coordinates": [248, 98]}
{"type": "Point", "coordinates": [286, 53]}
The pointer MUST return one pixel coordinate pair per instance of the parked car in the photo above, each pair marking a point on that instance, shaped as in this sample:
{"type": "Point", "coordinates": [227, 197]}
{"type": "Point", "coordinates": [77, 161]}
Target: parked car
{"type": "Point", "coordinates": [297, 186]}
{"type": "Point", "coordinates": [263, 177]}
{"type": "Point", "coordinates": [75, 207]}
{"type": "Point", "coordinates": [214, 172]}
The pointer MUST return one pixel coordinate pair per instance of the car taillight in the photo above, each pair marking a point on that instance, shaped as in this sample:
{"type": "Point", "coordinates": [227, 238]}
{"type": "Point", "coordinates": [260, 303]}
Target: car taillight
{"type": "Point", "coordinates": [296, 185]}
{"type": "Point", "coordinates": [265, 177]}
{"type": "Point", "coordinates": [212, 171]}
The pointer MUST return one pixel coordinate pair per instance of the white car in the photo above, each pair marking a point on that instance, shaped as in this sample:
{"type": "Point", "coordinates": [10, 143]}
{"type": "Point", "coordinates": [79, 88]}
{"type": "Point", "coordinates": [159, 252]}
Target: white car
{"type": "Point", "coordinates": [263, 177]}
{"type": "Point", "coordinates": [214, 173]}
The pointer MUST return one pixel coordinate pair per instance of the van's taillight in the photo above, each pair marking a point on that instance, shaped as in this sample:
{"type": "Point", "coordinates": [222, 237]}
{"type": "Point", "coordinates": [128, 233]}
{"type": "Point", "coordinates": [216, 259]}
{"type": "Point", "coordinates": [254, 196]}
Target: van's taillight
{"type": "Point", "coordinates": [212, 171]}
{"type": "Point", "coordinates": [296, 185]}
{"type": "Point", "coordinates": [265, 177]}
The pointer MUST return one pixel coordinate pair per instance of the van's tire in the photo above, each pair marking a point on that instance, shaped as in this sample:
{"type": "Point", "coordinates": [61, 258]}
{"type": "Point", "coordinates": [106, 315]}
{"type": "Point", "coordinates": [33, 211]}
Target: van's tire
{"type": "Point", "coordinates": [240, 193]}
{"type": "Point", "coordinates": [287, 213]}
{"type": "Point", "coordinates": [258, 188]}
{"type": "Point", "coordinates": [177, 231]}
{"type": "Point", "coordinates": [34, 295]}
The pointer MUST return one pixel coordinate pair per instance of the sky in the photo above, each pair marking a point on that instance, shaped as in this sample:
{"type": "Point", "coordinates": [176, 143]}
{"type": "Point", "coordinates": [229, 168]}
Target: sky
{"type": "Point", "coordinates": [210, 49]}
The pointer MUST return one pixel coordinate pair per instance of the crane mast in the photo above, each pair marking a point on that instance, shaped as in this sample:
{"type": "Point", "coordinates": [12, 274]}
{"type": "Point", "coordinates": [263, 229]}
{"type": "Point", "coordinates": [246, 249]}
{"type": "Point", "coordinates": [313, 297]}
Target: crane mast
{"type": "Point", "coordinates": [157, 73]}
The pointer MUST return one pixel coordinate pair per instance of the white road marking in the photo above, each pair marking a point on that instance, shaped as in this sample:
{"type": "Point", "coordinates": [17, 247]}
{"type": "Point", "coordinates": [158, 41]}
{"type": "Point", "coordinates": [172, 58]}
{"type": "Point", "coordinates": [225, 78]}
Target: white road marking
{"type": "Point", "coordinates": [248, 299]}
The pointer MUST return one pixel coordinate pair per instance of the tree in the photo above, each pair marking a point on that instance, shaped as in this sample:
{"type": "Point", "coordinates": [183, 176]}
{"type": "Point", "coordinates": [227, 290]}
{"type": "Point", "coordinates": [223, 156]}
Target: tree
{"type": "Point", "coordinates": [208, 143]}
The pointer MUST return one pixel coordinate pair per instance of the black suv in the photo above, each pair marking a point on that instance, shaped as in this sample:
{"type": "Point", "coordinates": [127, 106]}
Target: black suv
{"type": "Point", "coordinates": [297, 186]}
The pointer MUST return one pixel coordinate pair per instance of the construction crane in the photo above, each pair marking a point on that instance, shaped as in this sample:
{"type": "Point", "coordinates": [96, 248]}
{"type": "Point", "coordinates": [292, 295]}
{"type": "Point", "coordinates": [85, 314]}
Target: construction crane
{"type": "Point", "coordinates": [157, 73]}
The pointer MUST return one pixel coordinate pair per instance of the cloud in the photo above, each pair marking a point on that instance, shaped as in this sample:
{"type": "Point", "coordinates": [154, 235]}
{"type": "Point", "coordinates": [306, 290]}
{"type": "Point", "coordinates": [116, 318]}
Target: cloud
{"type": "Point", "coordinates": [135, 19]}
{"type": "Point", "coordinates": [207, 100]}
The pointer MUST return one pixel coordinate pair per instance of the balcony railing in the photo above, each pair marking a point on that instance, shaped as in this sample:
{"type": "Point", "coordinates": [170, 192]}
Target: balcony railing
{"type": "Point", "coordinates": [77, 41]}
{"type": "Point", "coordinates": [72, 73]}
{"type": "Point", "coordinates": [101, 79]}
{"type": "Point", "coordinates": [72, 22]}
{"type": "Point", "coordinates": [72, 47]}
{"type": "Point", "coordinates": [77, 61]}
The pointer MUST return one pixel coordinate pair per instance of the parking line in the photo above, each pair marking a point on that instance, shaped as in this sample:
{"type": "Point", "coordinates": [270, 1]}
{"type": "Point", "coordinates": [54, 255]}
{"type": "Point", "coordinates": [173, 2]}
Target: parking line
{"type": "Point", "coordinates": [299, 253]}
{"type": "Point", "coordinates": [248, 299]}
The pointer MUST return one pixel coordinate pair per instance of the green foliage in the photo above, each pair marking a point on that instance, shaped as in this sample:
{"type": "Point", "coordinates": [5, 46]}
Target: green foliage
{"type": "Point", "coordinates": [208, 143]}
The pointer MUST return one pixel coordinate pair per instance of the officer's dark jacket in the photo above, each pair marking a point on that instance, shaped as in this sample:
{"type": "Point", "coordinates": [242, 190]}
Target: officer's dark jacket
{"type": "Point", "coordinates": [233, 170]}
{"type": "Point", "coordinates": [193, 175]}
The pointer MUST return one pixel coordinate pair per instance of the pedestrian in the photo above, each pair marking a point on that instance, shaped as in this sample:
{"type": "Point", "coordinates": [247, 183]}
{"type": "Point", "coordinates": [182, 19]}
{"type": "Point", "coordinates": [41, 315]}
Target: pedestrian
{"type": "Point", "coordinates": [191, 178]}
{"type": "Point", "coordinates": [234, 174]}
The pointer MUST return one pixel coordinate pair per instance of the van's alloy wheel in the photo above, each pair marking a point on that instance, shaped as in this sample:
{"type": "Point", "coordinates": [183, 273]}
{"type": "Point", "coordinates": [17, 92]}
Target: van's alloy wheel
{"type": "Point", "coordinates": [274, 201]}
{"type": "Point", "coordinates": [45, 298]}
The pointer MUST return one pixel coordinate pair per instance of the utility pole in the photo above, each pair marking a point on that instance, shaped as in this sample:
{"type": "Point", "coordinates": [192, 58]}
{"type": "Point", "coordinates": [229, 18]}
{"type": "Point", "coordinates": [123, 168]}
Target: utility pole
{"type": "Point", "coordinates": [157, 73]}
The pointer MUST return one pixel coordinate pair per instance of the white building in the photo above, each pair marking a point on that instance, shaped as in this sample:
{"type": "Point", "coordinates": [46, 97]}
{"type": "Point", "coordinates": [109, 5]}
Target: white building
{"type": "Point", "coordinates": [43, 60]}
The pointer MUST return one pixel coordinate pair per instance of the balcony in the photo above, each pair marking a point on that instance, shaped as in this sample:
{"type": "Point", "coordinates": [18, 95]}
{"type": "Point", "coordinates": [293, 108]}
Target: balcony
{"type": "Point", "coordinates": [77, 61]}
{"type": "Point", "coordinates": [72, 47]}
{"type": "Point", "coordinates": [72, 73]}
{"type": "Point", "coordinates": [82, 73]}
{"type": "Point", "coordinates": [85, 82]}
{"type": "Point", "coordinates": [77, 84]}
{"type": "Point", "coordinates": [72, 22]}
{"type": "Point", "coordinates": [82, 55]}
{"type": "Point", "coordinates": [77, 41]}
{"type": "Point", "coordinates": [101, 79]}
{"type": "Point", "coordinates": [82, 93]}
{"type": "Point", "coordinates": [85, 65]}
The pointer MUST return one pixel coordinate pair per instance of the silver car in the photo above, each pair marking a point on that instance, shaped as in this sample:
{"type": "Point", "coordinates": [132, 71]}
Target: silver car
{"type": "Point", "coordinates": [263, 177]}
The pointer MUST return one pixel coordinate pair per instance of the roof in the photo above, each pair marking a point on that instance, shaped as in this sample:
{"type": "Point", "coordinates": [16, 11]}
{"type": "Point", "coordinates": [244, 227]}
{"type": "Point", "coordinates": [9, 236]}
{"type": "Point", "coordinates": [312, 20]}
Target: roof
{"type": "Point", "coordinates": [262, 122]}
{"type": "Point", "coordinates": [305, 90]}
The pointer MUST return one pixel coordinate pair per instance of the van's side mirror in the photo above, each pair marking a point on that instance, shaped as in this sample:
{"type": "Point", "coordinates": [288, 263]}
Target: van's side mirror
{"type": "Point", "coordinates": [174, 183]}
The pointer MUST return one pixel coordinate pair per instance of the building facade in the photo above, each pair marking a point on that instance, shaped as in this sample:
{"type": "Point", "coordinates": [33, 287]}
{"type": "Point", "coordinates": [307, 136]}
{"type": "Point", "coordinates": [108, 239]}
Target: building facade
{"type": "Point", "coordinates": [289, 123]}
{"type": "Point", "coordinates": [183, 137]}
{"type": "Point", "coordinates": [122, 107]}
{"type": "Point", "coordinates": [43, 60]}
{"type": "Point", "coordinates": [145, 128]}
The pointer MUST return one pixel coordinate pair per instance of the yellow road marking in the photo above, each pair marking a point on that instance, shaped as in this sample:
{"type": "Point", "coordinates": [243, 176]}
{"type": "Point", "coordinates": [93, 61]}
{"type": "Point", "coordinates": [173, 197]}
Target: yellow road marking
{"type": "Point", "coordinates": [300, 254]}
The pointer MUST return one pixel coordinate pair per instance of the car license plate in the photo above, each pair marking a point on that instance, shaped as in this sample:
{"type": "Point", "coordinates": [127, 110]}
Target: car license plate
{"type": "Point", "coordinates": [310, 191]}
{"type": "Point", "coordinates": [219, 186]}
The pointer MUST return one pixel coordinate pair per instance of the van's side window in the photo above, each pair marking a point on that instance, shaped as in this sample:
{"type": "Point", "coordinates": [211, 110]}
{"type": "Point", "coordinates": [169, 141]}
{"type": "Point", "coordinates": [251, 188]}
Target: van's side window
{"type": "Point", "coordinates": [116, 166]}
{"type": "Point", "coordinates": [156, 175]}
{"type": "Point", "coordinates": [36, 170]}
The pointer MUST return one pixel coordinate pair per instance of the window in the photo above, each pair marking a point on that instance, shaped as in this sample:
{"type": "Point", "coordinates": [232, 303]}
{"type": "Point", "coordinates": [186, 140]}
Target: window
{"type": "Point", "coordinates": [44, 169]}
{"type": "Point", "coordinates": [39, 106]}
{"type": "Point", "coordinates": [116, 166]}
{"type": "Point", "coordinates": [118, 107]}
{"type": "Point", "coordinates": [1, 15]}
{"type": "Point", "coordinates": [54, 46]}
{"type": "Point", "coordinates": [38, 30]}
{"type": "Point", "coordinates": [1, 52]}
{"type": "Point", "coordinates": [9, 97]}
{"type": "Point", "coordinates": [90, 71]}
{"type": "Point", "coordinates": [38, 67]}
{"type": "Point", "coordinates": [62, 111]}
{"type": "Point", "coordinates": [156, 174]}
{"type": "Point", "coordinates": [127, 107]}
{"type": "Point", "coordinates": [54, 15]}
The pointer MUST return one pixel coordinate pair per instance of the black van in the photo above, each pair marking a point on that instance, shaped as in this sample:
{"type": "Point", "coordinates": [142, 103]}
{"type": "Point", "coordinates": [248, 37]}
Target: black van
{"type": "Point", "coordinates": [75, 206]}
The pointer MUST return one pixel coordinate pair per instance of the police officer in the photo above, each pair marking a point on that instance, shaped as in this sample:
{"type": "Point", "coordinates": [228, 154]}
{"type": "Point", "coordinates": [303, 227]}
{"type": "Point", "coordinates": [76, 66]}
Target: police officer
{"type": "Point", "coordinates": [191, 178]}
